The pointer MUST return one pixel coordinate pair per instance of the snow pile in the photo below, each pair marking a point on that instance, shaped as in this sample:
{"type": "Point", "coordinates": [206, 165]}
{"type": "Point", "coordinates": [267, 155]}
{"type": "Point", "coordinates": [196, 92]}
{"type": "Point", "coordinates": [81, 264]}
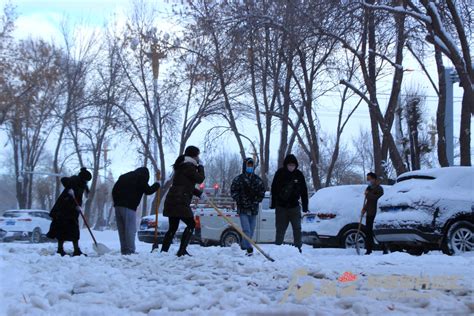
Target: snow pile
{"type": "Point", "coordinates": [223, 281]}
{"type": "Point", "coordinates": [453, 183]}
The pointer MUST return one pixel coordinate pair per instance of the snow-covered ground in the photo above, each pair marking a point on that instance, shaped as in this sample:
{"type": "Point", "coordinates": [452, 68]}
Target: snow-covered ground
{"type": "Point", "coordinates": [219, 281]}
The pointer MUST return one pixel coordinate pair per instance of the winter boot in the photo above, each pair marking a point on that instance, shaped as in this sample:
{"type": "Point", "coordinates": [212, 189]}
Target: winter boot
{"type": "Point", "coordinates": [61, 252]}
{"type": "Point", "coordinates": [185, 239]}
{"type": "Point", "coordinates": [249, 252]}
{"type": "Point", "coordinates": [78, 252]}
{"type": "Point", "coordinates": [166, 242]}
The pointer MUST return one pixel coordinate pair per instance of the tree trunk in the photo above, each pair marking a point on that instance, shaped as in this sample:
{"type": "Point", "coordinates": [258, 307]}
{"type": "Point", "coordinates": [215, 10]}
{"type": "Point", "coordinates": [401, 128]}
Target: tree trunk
{"type": "Point", "coordinates": [441, 111]}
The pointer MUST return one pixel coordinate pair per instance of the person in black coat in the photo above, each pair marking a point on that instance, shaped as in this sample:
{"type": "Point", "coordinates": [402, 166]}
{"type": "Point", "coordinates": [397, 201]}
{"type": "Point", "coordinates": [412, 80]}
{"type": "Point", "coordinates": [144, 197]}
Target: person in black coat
{"type": "Point", "coordinates": [127, 194]}
{"type": "Point", "coordinates": [187, 173]}
{"type": "Point", "coordinates": [65, 212]}
{"type": "Point", "coordinates": [372, 194]}
{"type": "Point", "coordinates": [288, 187]}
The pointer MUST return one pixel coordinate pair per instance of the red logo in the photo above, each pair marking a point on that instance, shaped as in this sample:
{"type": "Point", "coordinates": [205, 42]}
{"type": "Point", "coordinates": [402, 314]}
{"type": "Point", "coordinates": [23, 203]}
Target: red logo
{"type": "Point", "coordinates": [347, 277]}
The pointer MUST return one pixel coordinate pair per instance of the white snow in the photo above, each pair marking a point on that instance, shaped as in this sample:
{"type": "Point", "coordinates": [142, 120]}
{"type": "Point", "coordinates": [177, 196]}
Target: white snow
{"type": "Point", "coordinates": [222, 281]}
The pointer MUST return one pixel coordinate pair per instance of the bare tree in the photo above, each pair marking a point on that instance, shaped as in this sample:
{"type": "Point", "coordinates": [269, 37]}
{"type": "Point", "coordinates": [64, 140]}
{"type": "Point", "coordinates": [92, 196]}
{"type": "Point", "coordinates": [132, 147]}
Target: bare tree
{"type": "Point", "coordinates": [448, 26]}
{"type": "Point", "coordinates": [30, 124]}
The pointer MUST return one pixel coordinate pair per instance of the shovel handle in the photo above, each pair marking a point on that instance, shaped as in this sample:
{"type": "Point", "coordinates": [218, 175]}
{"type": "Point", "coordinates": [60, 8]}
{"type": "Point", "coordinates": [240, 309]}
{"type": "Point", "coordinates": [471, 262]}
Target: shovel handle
{"type": "Point", "coordinates": [239, 230]}
{"type": "Point", "coordinates": [84, 218]}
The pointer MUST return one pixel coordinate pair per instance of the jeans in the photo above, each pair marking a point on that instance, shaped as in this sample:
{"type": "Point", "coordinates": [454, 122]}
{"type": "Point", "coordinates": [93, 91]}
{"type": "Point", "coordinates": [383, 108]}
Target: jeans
{"type": "Point", "coordinates": [248, 223]}
{"type": "Point", "coordinates": [369, 226]}
{"type": "Point", "coordinates": [127, 228]}
{"type": "Point", "coordinates": [284, 216]}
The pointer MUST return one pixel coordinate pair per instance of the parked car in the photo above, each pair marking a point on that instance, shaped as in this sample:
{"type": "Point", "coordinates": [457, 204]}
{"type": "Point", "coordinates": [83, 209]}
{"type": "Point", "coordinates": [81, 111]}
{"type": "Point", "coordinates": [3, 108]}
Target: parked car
{"type": "Point", "coordinates": [334, 217]}
{"type": "Point", "coordinates": [29, 225]}
{"type": "Point", "coordinates": [216, 231]}
{"type": "Point", "coordinates": [146, 231]}
{"type": "Point", "coordinates": [429, 209]}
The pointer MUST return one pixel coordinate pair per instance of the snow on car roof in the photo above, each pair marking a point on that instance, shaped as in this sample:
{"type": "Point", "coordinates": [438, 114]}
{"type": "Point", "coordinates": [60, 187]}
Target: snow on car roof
{"type": "Point", "coordinates": [342, 198]}
{"type": "Point", "coordinates": [454, 183]}
{"type": "Point", "coordinates": [447, 172]}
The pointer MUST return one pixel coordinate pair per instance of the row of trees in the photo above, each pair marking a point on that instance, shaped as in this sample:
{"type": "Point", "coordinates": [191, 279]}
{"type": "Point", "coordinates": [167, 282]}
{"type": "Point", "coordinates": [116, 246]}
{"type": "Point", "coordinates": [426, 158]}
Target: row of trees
{"type": "Point", "coordinates": [268, 65]}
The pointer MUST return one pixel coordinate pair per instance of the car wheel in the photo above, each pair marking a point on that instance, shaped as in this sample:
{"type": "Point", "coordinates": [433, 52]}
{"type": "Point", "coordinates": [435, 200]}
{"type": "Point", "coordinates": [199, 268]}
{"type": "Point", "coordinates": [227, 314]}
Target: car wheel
{"type": "Point", "coordinates": [349, 239]}
{"type": "Point", "coordinates": [459, 238]}
{"type": "Point", "coordinates": [230, 237]}
{"type": "Point", "coordinates": [36, 235]}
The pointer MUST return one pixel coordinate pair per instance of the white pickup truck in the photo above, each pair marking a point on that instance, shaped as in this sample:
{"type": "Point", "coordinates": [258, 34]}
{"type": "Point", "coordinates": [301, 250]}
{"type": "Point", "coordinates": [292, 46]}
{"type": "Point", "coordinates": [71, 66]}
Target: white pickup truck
{"type": "Point", "coordinates": [214, 230]}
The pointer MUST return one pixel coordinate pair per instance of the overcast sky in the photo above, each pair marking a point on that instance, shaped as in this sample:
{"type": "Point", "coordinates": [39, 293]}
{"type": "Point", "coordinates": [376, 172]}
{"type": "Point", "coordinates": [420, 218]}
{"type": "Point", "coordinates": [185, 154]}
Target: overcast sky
{"type": "Point", "coordinates": [42, 18]}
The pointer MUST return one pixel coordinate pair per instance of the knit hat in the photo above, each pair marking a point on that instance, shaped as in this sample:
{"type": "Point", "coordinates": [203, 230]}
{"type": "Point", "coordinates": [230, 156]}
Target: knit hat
{"type": "Point", "coordinates": [85, 175]}
{"type": "Point", "coordinates": [192, 151]}
{"type": "Point", "coordinates": [290, 159]}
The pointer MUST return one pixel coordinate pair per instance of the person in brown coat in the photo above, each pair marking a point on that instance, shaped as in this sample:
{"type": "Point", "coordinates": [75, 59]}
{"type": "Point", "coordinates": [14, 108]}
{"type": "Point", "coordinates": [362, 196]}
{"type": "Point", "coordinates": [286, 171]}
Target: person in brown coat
{"type": "Point", "coordinates": [187, 173]}
{"type": "Point", "coordinates": [372, 194]}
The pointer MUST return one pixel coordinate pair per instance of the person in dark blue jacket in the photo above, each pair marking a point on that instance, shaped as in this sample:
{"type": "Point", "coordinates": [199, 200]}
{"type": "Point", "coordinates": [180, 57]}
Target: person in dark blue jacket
{"type": "Point", "coordinates": [127, 194]}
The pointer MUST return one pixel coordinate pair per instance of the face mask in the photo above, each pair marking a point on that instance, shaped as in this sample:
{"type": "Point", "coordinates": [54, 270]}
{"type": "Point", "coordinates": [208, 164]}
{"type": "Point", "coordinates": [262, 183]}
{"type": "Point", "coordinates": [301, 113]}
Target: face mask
{"type": "Point", "coordinates": [249, 169]}
{"type": "Point", "coordinates": [291, 168]}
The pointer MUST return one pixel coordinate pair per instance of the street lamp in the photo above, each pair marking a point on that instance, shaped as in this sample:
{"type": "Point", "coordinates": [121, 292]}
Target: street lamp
{"type": "Point", "coordinates": [158, 46]}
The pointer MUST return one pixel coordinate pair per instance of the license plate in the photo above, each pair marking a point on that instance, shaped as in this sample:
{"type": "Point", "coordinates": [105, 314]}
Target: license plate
{"type": "Point", "coordinates": [10, 222]}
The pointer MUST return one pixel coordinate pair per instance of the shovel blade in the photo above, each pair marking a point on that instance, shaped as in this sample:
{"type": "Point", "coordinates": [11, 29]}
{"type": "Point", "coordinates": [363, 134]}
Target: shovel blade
{"type": "Point", "coordinates": [155, 246]}
{"type": "Point", "coordinates": [100, 249]}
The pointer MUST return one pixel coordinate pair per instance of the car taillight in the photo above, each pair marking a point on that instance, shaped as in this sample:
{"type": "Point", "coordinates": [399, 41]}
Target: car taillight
{"type": "Point", "coordinates": [24, 219]}
{"type": "Point", "coordinates": [197, 219]}
{"type": "Point", "coordinates": [326, 215]}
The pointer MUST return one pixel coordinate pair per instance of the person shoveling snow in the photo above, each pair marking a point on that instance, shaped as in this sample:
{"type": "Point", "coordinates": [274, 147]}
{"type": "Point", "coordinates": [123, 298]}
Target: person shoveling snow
{"type": "Point", "coordinates": [66, 210]}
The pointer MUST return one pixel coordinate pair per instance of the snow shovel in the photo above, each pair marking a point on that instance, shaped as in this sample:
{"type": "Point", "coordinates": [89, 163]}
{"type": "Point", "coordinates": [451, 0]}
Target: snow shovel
{"type": "Point", "coordinates": [358, 230]}
{"type": "Point", "coordinates": [237, 228]}
{"type": "Point", "coordinates": [158, 200]}
{"type": "Point", "coordinates": [100, 249]}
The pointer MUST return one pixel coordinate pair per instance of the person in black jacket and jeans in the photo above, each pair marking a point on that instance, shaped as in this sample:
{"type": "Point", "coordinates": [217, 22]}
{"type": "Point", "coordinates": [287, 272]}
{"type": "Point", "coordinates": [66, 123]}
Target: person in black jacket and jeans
{"type": "Point", "coordinates": [288, 187]}
{"type": "Point", "coordinates": [127, 194]}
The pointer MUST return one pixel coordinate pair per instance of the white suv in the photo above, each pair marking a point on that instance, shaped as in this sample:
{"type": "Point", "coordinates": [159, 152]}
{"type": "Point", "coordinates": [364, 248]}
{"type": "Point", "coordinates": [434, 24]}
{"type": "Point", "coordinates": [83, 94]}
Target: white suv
{"type": "Point", "coordinates": [334, 217]}
{"type": "Point", "coordinates": [29, 225]}
{"type": "Point", "coordinates": [429, 210]}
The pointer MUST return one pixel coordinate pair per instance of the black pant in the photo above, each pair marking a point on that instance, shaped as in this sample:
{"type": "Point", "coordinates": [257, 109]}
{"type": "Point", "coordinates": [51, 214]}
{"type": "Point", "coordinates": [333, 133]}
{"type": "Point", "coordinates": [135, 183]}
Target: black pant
{"type": "Point", "coordinates": [174, 224]}
{"type": "Point", "coordinates": [369, 238]}
{"type": "Point", "coordinates": [284, 216]}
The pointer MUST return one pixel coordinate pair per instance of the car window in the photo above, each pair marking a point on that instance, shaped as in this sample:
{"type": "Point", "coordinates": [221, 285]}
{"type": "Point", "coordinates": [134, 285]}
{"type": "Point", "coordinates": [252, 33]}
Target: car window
{"type": "Point", "coordinates": [14, 214]}
{"type": "Point", "coordinates": [40, 215]}
{"type": "Point", "coordinates": [415, 177]}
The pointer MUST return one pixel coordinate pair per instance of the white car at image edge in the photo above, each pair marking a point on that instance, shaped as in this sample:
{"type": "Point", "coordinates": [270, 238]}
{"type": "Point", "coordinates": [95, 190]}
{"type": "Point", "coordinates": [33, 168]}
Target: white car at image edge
{"type": "Point", "coordinates": [29, 225]}
{"type": "Point", "coordinates": [334, 217]}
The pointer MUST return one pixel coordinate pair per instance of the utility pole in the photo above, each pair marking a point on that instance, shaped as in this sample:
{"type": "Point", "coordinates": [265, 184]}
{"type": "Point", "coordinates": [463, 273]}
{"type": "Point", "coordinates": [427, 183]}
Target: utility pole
{"type": "Point", "coordinates": [450, 77]}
